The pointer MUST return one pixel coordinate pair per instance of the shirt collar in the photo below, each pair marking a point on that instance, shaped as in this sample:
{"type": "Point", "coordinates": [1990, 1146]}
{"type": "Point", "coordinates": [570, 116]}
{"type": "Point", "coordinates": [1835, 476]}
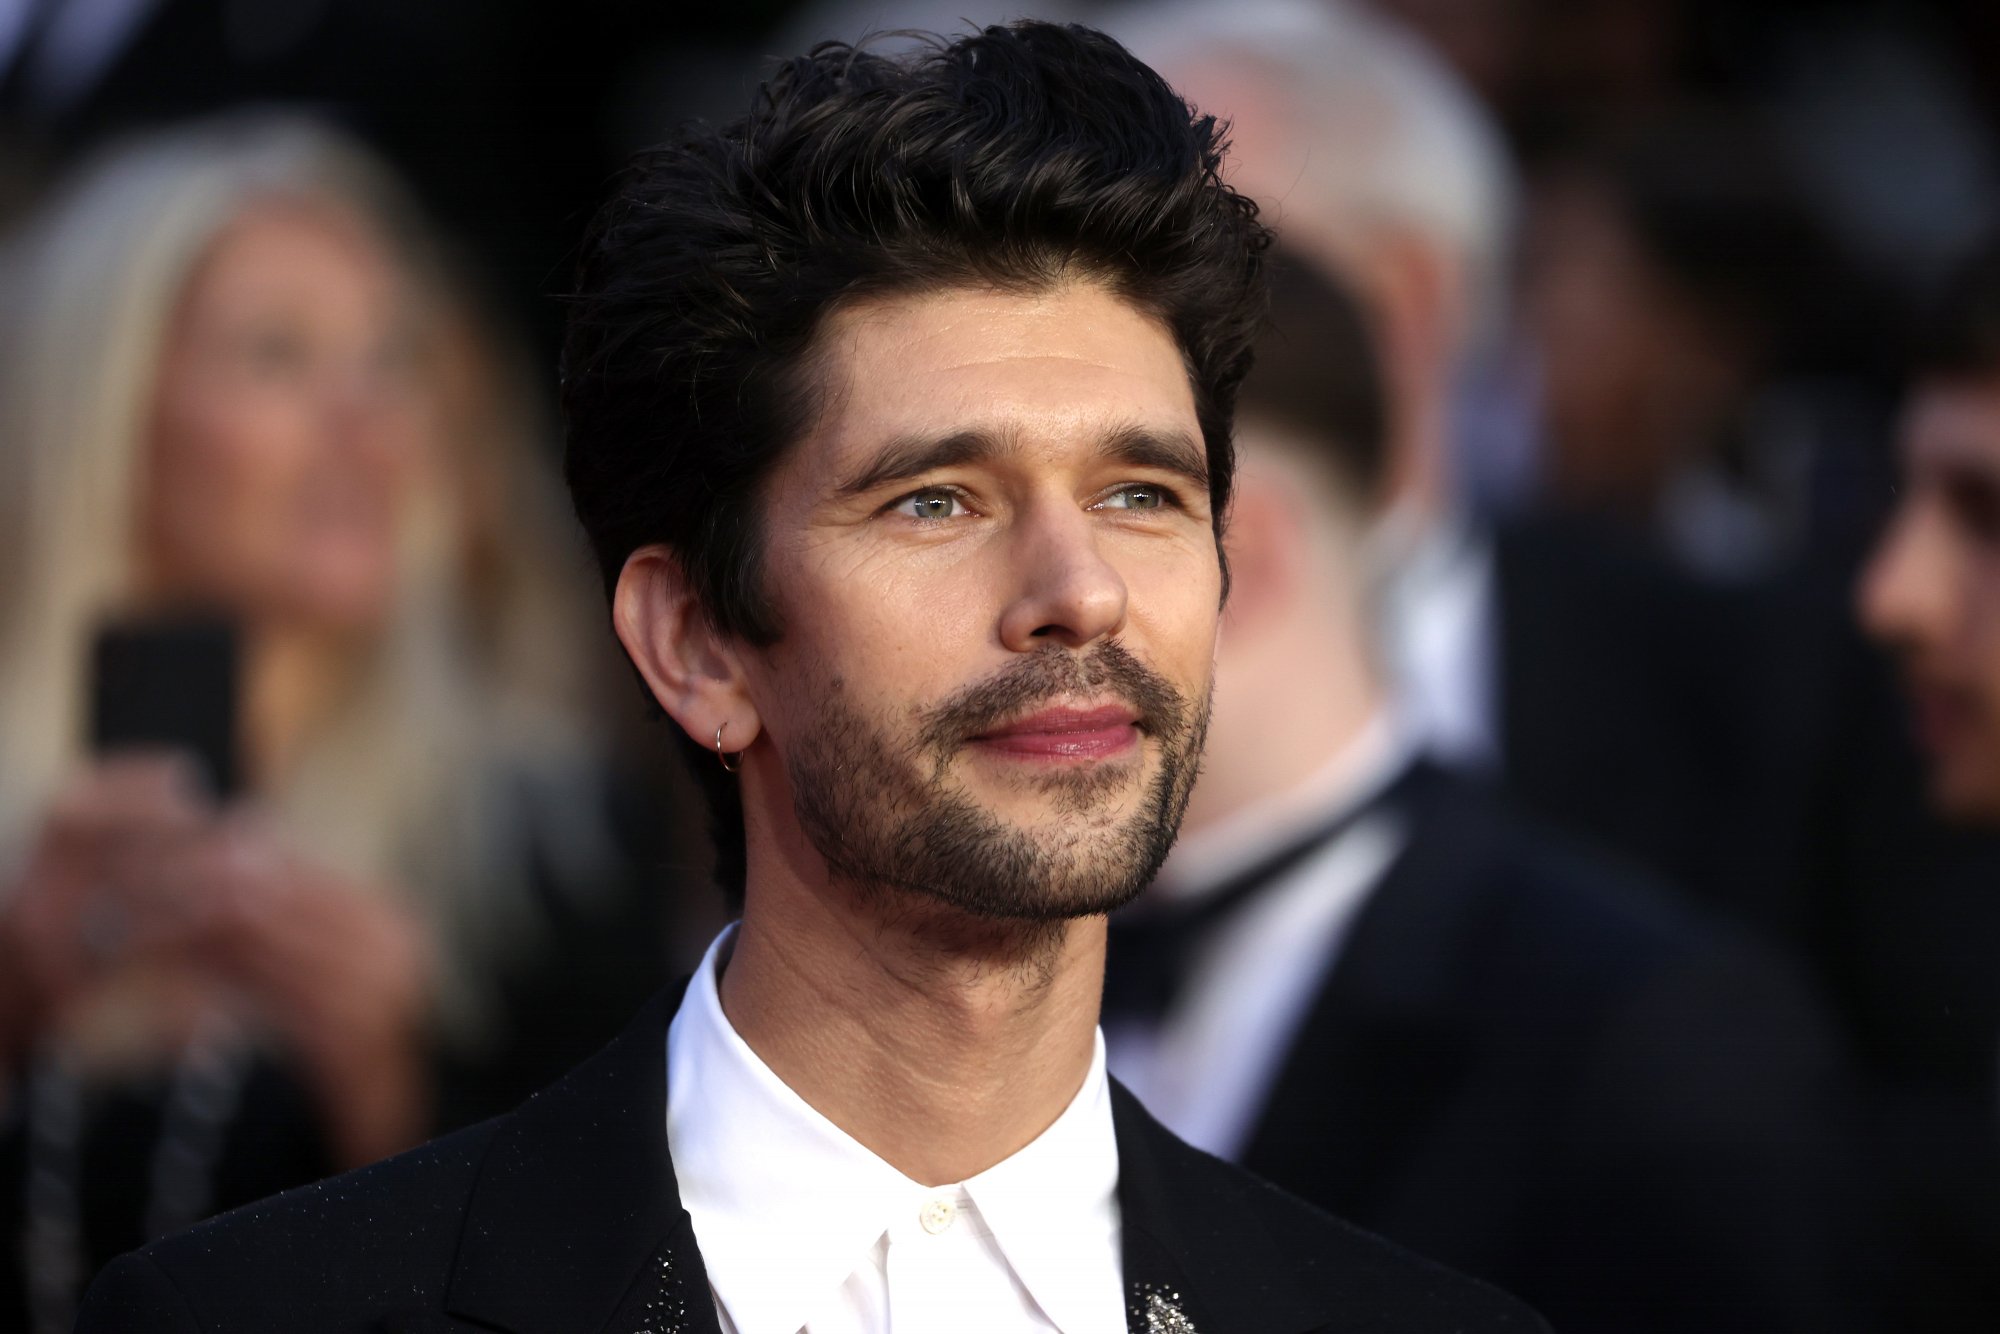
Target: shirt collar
{"type": "Point", "coordinates": [786, 1204]}
{"type": "Point", "coordinates": [1053, 1208]}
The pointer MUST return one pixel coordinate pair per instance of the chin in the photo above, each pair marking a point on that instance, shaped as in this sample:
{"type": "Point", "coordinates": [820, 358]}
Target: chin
{"type": "Point", "coordinates": [1058, 803]}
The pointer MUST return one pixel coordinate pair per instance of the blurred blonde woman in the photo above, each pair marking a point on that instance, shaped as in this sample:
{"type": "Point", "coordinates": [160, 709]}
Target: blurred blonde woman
{"type": "Point", "coordinates": [230, 384]}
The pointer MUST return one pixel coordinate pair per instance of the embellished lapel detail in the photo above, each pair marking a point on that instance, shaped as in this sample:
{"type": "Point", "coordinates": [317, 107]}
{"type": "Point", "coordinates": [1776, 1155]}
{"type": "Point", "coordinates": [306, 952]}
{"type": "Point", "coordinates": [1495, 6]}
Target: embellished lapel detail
{"type": "Point", "coordinates": [670, 1295]}
{"type": "Point", "coordinates": [1153, 1310]}
{"type": "Point", "coordinates": [1156, 1300]}
{"type": "Point", "coordinates": [1196, 1256]}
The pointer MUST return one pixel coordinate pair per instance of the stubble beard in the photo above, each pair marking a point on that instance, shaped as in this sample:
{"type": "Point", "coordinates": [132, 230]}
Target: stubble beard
{"type": "Point", "coordinates": [889, 820]}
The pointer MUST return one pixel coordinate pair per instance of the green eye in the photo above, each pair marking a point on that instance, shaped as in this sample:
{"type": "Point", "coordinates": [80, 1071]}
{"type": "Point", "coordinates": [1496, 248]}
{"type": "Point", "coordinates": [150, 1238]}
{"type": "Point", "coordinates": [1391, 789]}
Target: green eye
{"type": "Point", "coordinates": [1137, 498]}
{"type": "Point", "coordinates": [936, 503]}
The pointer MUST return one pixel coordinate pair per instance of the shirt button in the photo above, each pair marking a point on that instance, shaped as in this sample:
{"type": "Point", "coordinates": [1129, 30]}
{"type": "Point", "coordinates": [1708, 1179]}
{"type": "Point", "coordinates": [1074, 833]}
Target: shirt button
{"type": "Point", "coordinates": [937, 1216]}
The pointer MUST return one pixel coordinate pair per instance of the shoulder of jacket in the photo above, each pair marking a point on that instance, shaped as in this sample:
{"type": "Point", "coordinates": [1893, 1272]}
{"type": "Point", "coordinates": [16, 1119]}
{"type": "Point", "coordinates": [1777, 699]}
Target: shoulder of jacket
{"type": "Point", "coordinates": [1355, 1275]}
{"type": "Point", "coordinates": [134, 1293]}
{"type": "Point", "coordinates": [363, 1239]}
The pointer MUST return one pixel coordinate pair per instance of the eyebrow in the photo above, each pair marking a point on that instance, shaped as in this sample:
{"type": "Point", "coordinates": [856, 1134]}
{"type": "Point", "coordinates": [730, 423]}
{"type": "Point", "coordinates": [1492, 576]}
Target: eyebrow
{"type": "Point", "coordinates": [912, 456]}
{"type": "Point", "coordinates": [1138, 446]}
{"type": "Point", "coordinates": [1951, 455]}
{"type": "Point", "coordinates": [1174, 452]}
{"type": "Point", "coordinates": [1976, 479]}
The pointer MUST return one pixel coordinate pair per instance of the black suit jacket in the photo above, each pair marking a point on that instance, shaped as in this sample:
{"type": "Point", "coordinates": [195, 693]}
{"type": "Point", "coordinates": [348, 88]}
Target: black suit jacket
{"type": "Point", "coordinates": [1691, 725]}
{"type": "Point", "coordinates": [1746, 741]}
{"type": "Point", "coordinates": [563, 1216]}
{"type": "Point", "coordinates": [1537, 1070]}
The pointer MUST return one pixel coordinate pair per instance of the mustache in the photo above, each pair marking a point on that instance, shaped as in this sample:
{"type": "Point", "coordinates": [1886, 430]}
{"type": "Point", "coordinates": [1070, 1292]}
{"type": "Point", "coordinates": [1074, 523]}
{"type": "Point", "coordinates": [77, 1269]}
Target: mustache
{"type": "Point", "coordinates": [1049, 674]}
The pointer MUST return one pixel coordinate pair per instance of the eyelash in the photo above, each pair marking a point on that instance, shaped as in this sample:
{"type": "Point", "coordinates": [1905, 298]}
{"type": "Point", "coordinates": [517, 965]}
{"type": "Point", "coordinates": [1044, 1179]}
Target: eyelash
{"type": "Point", "coordinates": [1168, 499]}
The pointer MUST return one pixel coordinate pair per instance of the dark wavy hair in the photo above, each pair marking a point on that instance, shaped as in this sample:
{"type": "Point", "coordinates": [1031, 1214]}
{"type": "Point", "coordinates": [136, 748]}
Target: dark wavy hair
{"type": "Point", "coordinates": [1014, 158]}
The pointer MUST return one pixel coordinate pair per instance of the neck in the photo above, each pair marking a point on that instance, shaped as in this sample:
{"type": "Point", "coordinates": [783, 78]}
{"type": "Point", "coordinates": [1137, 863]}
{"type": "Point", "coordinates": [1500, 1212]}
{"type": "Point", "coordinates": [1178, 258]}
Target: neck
{"type": "Point", "coordinates": [942, 1044]}
{"type": "Point", "coordinates": [292, 680]}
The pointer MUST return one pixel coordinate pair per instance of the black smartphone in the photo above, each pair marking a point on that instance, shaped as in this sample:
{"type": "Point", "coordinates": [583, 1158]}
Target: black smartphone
{"type": "Point", "coordinates": [170, 682]}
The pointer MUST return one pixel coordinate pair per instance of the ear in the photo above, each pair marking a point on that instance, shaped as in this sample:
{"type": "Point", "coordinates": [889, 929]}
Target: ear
{"type": "Point", "coordinates": [691, 668]}
{"type": "Point", "coordinates": [1267, 550]}
{"type": "Point", "coordinates": [1422, 310]}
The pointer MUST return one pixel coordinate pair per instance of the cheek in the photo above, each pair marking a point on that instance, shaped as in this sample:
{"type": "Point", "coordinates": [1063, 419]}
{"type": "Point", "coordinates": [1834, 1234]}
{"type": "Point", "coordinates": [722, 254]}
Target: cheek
{"type": "Point", "coordinates": [1969, 774]}
{"type": "Point", "coordinates": [1175, 608]}
{"type": "Point", "coordinates": [905, 629]}
{"type": "Point", "coordinates": [1966, 783]}
{"type": "Point", "coordinates": [1985, 629]}
{"type": "Point", "coordinates": [897, 633]}
{"type": "Point", "coordinates": [221, 477]}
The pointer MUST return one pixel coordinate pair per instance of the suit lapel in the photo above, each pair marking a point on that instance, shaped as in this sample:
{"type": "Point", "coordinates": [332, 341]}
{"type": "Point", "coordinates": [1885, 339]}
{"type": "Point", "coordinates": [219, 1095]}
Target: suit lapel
{"type": "Point", "coordinates": [1193, 1247]}
{"type": "Point", "coordinates": [575, 1223]}
{"type": "Point", "coordinates": [670, 1294]}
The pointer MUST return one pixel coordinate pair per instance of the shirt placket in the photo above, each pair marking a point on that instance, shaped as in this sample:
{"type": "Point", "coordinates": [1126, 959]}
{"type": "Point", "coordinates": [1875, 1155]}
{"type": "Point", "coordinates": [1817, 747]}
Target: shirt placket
{"type": "Point", "coordinates": [937, 1275]}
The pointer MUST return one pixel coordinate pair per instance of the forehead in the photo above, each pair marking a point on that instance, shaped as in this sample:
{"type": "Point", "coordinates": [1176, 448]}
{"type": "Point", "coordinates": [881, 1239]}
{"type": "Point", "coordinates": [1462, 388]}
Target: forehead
{"type": "Point", "coordinates": [1053, 368]}
{"type": "Point", "coordinates": [297, 252]}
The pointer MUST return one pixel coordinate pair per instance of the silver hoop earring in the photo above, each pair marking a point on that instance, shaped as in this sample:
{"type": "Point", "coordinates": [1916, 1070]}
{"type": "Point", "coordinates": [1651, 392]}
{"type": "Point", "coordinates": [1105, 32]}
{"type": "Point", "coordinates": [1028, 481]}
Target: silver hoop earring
{"type": "Point", "coordinates": [721, 758]}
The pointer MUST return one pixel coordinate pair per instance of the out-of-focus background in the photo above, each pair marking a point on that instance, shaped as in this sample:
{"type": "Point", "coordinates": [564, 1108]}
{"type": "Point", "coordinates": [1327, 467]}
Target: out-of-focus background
{"type": "Point", "coordinates": [280, 303]}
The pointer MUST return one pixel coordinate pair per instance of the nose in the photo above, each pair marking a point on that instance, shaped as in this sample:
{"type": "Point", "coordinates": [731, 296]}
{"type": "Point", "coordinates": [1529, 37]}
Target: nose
{"type": "Point", "coordinates": [1909, 586]}
{"type": "Point", "coordinates": [363, 402]}
{"type": "Point", "coordinates": [1067, 593]}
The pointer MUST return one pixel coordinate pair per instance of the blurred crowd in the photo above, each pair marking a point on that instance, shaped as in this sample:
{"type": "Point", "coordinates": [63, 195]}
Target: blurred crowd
{"type": "Point", "coordinates": [1594, 881]}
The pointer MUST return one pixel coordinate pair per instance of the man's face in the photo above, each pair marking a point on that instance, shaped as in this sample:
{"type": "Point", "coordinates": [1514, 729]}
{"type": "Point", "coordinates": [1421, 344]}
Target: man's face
{"type": "Point", "coordinates": [995, 565]}
{"type": "Point", "coordinates": [1932, 589]}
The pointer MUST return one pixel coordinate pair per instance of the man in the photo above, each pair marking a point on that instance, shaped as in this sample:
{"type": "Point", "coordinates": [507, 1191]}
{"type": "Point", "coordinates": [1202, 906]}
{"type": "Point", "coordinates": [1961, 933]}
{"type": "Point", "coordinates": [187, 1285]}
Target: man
{"type": "Point", "coordinates": [1932, 590]}
{"type": "Point", "coordinates": [899, 420]}
{"type": "Point", "coordinates": [1370, 982]}
{"type": "Point", "coordinates": [1931, 593]}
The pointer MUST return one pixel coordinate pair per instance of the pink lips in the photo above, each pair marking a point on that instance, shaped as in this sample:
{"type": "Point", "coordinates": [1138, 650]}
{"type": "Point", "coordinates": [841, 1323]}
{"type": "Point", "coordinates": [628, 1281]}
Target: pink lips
{"type": "Point", "coordinates": [1066, 734]}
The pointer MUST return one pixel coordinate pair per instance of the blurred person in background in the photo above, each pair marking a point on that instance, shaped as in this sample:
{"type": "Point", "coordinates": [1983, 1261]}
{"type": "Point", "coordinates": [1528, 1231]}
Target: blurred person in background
{"type": "Point", "coordinates": [1931, 594]}
{"type": "Point", "coordinates": [1371, 982]}
{"type": "Point", "coordinates": [1932, 589]}
{"type": "Point", "coordinates": [1707, 732]}
{"type": "Point", "coordinates": [235, 386]}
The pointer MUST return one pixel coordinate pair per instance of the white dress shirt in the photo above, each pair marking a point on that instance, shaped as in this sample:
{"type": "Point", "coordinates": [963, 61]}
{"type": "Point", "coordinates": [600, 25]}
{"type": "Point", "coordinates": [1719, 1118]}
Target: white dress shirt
{"type": "Point", "coordinates": [803, 1229]}
{"type": "Point", "coordinates": [1440, 629]}
{"type": "Point", "coordinates": [1207, 1068]}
